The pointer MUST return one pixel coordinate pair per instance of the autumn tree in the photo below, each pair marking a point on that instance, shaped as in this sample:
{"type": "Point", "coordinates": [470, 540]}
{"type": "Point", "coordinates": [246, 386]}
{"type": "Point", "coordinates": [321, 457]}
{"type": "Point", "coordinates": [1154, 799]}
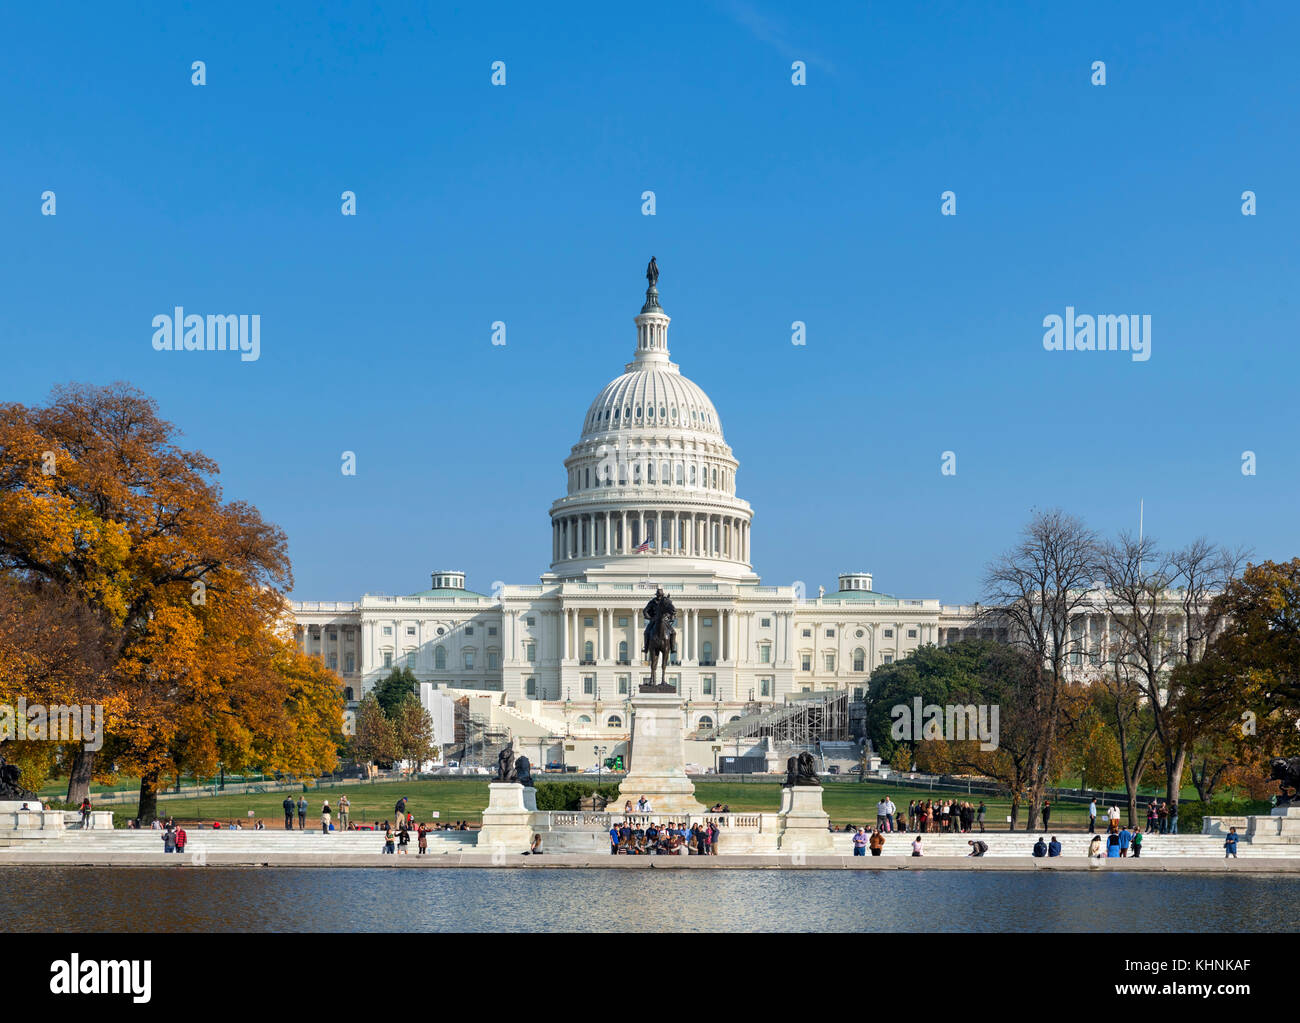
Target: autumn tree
{"type": "Point", "coordinates": [1037, 590]}
{"type": "Point", "coordinates": [375, 740]}
{"type": "Point", "coordinates": [413, 734]}
{"type": "Point", "coordinates": [98, 501]}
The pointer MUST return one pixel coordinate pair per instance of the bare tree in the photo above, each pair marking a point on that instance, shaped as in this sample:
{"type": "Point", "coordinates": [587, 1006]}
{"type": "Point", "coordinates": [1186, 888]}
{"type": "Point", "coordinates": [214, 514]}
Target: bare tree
{"type": "Point", "coordinates": [1038, 589]}
{"type": "Point", "coordinates": [1161, 613]}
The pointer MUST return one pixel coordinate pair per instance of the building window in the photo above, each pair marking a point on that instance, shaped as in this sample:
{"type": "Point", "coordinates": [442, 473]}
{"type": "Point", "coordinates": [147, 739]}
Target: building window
{"type": "Point", "coordinates": [347, 694]}
{"type": "Point", "coordinates": [388, 630]}
{"type": "Point", "coordinates": [706, 682]}
{"type": "Point", "coordinates": [388, 658]}
{"type": "Point", "coordinates": [469, 660]}
{"type": "Point", "coordinates": [859, 660]}
{"type": "Point", "coordinates": [764, 653]}
{"type": "Point", "coordinates": [830, 633]}
{"type": "Point", "coordinates": [492, 630]}
{"type": "Point", "coordinates": [588, 684]}
{"type": "Point", "coordinates": [830, 662]}
{"type": "Point", "coordinates": [889, 634]}
{"type": "Point", "coordinates": [410, 630]}
{"type": "Point", "coordinates": [589, 652]}
{"type": "Point", "coordinates": [350, 663]}
{"type": "Point", "coordinates": [911, 634]}
{"type": "Point", "coordinates": [622, 622]}
{"type": "Point", "coordinates": [622, 652]}
{"type": "Point", "coordinates": [583, 719]}
{"type": "Point", "coordinates": [805, 662]}
{"type": "Point", "coordinates": [410, 658]}
{"type": "Point", "coordinates": [704, 722]}
{"type": "Point", "coordinates": [439, 658]}
{"type": "Point", "coordinates": [530, 687]}
{"type": "Point", "coordinates": [469, 630]}
{"type": "Point", "coordinates": [765, 687]}
{"type": "Point", "coordinates": [623, 683]}
{"type": "Point", "coordinates": [676, 682]}
{"type": "Point", "coordinates": [334, 662]}
{"type": "Point", "coordinates": [614, 721]}
{"type": "Point", "coordinates": [492, 659]}
{"type": "Point", "coordinates": [531, 620]}
{"type": "Point", "coordinates": [588, 622]}
{"type": "Point", "coordinates": [889, 658]}
{"type": "Point", "coordinates": [706, 623]}
{"type": "Point", "coordinates": [706, 652]}
{"type": "Point", "coordinates": [807, 633]}
{"type": "Point", "coordinates": [858, 692]}
{"type": "Point", "coordinates": [530, 652]}
{"type": "Point", "coordinates": [859, 634]}
{"type": "Point", "coordinates": [765, 623]}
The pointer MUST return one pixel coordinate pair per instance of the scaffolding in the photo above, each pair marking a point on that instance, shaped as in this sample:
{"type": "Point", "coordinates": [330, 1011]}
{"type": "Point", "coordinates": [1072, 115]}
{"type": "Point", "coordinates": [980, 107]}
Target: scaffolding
{"type": "Point", "coordinates": [803, 720]}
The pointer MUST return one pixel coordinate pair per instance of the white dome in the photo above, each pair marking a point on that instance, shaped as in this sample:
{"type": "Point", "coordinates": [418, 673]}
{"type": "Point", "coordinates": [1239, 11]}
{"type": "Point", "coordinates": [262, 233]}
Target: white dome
{"type": "Point", "coordinates": [654, 398]}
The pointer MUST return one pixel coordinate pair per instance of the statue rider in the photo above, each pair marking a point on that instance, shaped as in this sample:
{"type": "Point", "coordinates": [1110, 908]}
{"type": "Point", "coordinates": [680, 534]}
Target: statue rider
{"type": "Point", "coordinates": [660, 604]}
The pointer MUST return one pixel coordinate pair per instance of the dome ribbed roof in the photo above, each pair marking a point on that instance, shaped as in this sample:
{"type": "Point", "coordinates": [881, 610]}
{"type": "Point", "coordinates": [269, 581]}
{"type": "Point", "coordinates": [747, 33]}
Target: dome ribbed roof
{"type": "Point", "coordinates": [652, 398]}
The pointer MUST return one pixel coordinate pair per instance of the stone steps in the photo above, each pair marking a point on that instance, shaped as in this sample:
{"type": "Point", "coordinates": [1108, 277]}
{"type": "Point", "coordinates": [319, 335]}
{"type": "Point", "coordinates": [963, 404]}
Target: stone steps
{"type": "Point", "coordinates": [1021, 844]}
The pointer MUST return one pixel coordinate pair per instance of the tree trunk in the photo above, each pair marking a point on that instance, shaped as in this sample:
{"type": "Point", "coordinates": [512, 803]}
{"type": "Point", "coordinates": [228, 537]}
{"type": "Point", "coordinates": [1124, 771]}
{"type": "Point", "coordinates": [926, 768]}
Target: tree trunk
{"type": "Point", "coordinates": [148, 808]}
{"type": "Point", "coordinates": [83, 767]}
{"type": "Point", "coordinates": [1175, 774]}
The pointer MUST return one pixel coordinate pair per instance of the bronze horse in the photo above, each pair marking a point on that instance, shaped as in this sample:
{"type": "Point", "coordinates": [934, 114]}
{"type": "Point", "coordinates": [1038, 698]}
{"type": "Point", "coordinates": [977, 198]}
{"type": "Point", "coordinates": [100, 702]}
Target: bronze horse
{"type": "Point", "coordinates": [658, 650]}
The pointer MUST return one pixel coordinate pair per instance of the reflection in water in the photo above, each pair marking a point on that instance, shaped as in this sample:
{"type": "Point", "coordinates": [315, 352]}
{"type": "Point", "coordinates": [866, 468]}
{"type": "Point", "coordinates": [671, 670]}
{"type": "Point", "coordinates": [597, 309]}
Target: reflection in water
{"type": "Point", "coordinates": [359, 899]}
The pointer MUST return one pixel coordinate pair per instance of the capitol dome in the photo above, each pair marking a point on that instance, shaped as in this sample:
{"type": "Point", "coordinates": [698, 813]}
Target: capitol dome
{"type": "Point", "coordinates": [652, 398]}
{"type": "Point", "coordinates": [651, 481]}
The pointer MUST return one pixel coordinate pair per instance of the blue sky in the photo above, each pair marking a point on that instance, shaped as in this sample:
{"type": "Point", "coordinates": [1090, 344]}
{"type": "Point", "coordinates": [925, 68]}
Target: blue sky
{"type": "Point", "coordinates": [775, 203]}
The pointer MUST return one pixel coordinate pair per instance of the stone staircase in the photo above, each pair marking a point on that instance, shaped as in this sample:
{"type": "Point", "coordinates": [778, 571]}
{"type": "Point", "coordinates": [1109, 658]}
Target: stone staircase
{"type": "Point", "coordinates": [125, 840]}
{"type": "Point", "coordinates": [1073, 844]}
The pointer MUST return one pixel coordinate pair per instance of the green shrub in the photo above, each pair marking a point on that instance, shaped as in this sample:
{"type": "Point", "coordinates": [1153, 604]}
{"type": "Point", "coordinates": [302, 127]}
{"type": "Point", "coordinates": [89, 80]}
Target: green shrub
{"type": "Point", "coordinates": [567, 795]}
{"type": "Point", "coordinates": [1192, 813]}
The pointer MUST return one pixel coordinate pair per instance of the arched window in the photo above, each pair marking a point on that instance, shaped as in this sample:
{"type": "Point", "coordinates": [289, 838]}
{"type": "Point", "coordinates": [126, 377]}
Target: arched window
{"type": "Point", "coordinates": [704, 722]}
{"type": "Point", "coordinates": [734, 717]}
{"type": "Point", "coordinates": [614, 722]}
{"type": "Point", "coordinates": [439, 659]}
{"type": "Point", "coordinates": [665, 473]}
{"type": "Point", "coordinates": [588, 651]}
{"type": "Point", "coordinates": [649, 472]}
{"type": "Point", "coordinates": [583, 719]}
{"type": "Point", "coordinates": [622, 651]}
{"type": "Point", "coordinates": [347, 694]}
{"type": "Point", "coordinates": [692, 475]}
{"type": "Point", "coordinates": [715, 478]}
{"type": "Point", "coordinates": [859, 660]}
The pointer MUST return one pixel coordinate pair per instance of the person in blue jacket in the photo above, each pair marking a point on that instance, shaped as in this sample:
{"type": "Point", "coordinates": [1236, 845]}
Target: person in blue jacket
{"type": "Point", "coordinates": [1055, 848]}
{"type": "Point", "coordinates": [1040, 848]}
{"type": "Point", "coordinates": [1230, 844]}
{"type": "Point", "coordinates": [1112, 846]}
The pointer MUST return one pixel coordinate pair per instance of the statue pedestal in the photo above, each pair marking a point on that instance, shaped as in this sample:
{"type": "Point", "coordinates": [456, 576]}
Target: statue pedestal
{"type": "Point", "coordinates": [1280, 827]}
{"type": "Point", "coordinates": [509, 818]}
{"type": "Point", "coordinates": [657, 768]}
{"type": "Point", "coordinates": [802, 825]}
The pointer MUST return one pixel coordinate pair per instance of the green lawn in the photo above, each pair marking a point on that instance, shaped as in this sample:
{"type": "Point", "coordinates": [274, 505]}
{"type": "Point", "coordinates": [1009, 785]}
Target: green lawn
{"type": "Point", "coordinates": [465, 798]}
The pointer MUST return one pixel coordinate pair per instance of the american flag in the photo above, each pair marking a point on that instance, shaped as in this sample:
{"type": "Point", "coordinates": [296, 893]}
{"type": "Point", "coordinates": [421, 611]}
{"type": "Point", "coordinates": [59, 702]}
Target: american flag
{"type": "Point", "coordinates": [641, 548]}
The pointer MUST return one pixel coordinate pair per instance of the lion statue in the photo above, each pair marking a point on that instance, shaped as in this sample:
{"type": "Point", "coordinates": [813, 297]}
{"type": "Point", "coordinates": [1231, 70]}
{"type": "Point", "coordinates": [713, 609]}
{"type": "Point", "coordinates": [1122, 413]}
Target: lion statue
{"type": "Point", "coordinates": [801, 770]}
{"type": "Point", "coordinates": [1286, 772]}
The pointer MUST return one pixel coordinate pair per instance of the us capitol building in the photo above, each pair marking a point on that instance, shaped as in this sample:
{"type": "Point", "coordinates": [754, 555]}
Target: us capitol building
{"type": "Point", "coordinates": [651, 499]}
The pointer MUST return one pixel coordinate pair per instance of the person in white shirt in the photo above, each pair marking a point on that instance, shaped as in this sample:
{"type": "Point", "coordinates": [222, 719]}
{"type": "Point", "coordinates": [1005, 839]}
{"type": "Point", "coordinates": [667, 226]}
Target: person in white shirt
{"type": "Point", "coordinates": [890, 810]}
{"type": "Point", "coordinates": [916, 846]}
{"type": "Point", "coordinates": [881, 811]}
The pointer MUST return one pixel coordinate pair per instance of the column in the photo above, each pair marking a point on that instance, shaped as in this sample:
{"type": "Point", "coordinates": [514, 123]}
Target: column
{"type": "Point", "coordinates": [641, 531]}
{"type": "Point", "coordinates": [623, 547]}
{"type": "Point", "coordinates": [609, 543]}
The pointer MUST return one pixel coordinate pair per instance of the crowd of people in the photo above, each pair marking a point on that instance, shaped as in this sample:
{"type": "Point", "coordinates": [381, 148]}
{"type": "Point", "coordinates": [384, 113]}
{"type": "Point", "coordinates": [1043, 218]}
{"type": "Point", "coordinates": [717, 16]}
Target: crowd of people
{"type": "Point", "coordinates": [674, 838]}
{"type": "Point", "coordinates": [935, 816]}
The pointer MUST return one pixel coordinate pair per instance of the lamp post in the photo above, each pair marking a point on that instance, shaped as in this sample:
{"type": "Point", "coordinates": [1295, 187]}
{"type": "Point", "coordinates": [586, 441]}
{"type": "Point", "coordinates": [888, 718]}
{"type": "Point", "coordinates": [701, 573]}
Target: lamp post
{"type": "Point", "coordinates": [600, 761]}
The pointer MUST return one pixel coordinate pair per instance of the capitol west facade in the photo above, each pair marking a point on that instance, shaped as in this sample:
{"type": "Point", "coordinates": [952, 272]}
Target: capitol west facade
{"type": "Point", "coordinates": [651, 499]}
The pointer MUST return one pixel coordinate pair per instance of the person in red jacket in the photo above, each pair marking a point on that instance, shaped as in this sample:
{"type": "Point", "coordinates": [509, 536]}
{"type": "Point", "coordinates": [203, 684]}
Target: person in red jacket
{"type": "Point", "coordinates": [180, 840]}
